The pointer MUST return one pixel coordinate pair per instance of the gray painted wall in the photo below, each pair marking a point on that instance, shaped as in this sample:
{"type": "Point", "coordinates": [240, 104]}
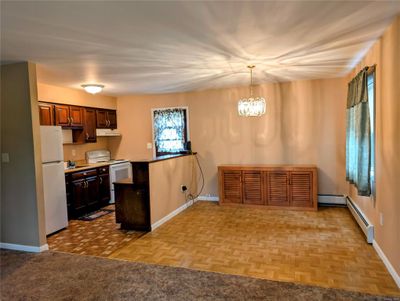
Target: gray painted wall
{"type": "Point", "coordinates": [22, 205]}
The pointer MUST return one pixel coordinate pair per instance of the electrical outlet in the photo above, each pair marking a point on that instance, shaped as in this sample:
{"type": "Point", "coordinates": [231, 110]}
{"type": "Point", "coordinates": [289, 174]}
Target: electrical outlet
{"type": "Point", "coordinates": [183, 188]}
{"type": "Point", "coordinates": [149, 145]}
{"type": "Point", "coordinates": [381, 218]}
{"type": "Point", "coordinates": [73, 152]}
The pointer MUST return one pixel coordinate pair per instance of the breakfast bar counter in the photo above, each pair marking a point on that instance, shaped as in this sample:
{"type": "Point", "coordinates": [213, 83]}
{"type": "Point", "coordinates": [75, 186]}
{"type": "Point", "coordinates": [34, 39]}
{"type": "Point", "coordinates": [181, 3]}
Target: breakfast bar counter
{"type": "Point", "coordinates": [156, 187]}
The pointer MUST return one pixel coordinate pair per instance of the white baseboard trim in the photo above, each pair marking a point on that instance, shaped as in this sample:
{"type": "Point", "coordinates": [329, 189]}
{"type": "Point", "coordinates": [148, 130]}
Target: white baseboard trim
{"type": "Point", "coordinates": [332, 199]}
{"type": "Point", "coordinates": [387, 263]}
{"type": "Point", "coordinates": [172, 214]}
{"type": "Point", "coordinates": [24, 248]}
{"type": "Point", "coordinates": [208, 198]}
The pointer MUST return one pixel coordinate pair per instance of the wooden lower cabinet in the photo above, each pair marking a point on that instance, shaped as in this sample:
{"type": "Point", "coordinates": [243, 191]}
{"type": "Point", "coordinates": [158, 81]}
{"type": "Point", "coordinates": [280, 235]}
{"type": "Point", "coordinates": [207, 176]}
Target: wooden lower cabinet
{"type": "Point", "coordinates": [278, 188]}
{"type": "Point", "coordinates": [232, 186]}
{"type": "Point", "coordinates": [292, 187]}
{"type": "Point", "coordinates": [253, 188]}
{"type": "Point", "coordinates": [87, 191]}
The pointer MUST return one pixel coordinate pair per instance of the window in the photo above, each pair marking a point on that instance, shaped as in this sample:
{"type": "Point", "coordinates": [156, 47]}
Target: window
{"type": "Point", "coordinates": [170, 130]}
{"type": "Point", "coordinates": [360, 132]}
{"type": "Point", "coordinates": [371, 105]}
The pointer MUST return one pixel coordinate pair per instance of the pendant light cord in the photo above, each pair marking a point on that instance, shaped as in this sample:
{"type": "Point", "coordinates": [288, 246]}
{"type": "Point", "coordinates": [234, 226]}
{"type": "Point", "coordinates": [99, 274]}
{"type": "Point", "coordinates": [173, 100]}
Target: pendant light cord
{"type": "Point", "coordinates": [251, 79]}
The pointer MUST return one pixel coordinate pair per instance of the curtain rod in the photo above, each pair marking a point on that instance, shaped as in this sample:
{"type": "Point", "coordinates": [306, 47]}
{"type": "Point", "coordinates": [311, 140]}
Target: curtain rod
{"type": "Point", "coordinates": [371, 69]}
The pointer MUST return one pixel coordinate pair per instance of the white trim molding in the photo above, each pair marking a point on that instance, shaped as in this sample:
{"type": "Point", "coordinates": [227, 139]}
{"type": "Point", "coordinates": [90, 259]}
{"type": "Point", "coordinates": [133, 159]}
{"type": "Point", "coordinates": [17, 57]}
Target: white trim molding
{"type": "Point", "coordinates": [387, 263]}
{"type": "Point", "coordinates": [172, 214]}
{"type": "Point", "coordinates": [24, 248]}
{"type": "Point", "coordinates": [208, 198]}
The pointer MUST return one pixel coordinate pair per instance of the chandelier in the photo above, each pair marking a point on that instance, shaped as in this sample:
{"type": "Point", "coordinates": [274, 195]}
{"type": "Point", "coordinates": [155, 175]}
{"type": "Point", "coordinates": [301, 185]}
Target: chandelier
{"type": "Point", "coordinates": [252, 106]}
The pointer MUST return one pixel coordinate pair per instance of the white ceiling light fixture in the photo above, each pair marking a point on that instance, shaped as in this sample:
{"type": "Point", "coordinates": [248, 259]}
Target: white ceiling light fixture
{"type": "Point", "coordinates": [252, 106]}
{"type": "Point", "coordinates": [93, 88]}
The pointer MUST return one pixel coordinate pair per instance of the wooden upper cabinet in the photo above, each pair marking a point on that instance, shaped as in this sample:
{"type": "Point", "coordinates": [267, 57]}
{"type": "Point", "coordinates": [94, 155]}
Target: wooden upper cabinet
{"type": "Point", "coordinates": [101, 117]}
{"type": "Point", "coordinates": [112, 118]}
{"type": "Point", "coordinates": [90, 125]}
{"type": "Point", "coordinates": [106, 119]}
{"type": "Point", "coordinates": [232, 186]}
{"type": "Point", "coordinates": [46, 114]}
{"type": "Point", "coordinates": [61, 113]}
{"type": "Point", "coordinates": [68, 116]}
{"type": "Point", "coordinates": [278, 188]}
{"type": "Point", "coordinates": [76, 116]}
{"type": "Point", "coordinates": [286, 186]}
{"type": "Point", "coordinates": [253, 187]}
{"type": "Point", "coordinates": [301, 189]}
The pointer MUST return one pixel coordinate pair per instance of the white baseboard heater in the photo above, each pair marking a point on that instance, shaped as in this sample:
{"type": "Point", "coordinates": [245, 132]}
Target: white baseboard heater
{"type": "Point", "coordinates": [362, 220]}
{"type": "Point", "coordinates": [332, 200]}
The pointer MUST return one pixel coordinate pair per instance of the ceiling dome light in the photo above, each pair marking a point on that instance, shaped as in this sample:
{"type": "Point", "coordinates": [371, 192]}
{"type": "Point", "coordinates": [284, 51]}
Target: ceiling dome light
{"type": "Point", "coordinates": [251, 106]}
{"type": "Point", "coordinates": [92, 88]}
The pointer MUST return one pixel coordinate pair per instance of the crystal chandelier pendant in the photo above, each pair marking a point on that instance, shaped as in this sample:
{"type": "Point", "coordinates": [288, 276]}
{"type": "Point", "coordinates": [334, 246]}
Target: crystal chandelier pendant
{"type": "Point", "coordinates": [252, 106]}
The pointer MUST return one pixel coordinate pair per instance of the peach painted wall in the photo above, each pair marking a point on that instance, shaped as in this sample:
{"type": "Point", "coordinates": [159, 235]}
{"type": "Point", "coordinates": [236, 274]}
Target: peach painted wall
{"type": "Point", "coordinates": [70, 96]}
{"type": "Point", "coordinates": [305, 123]}
{"type": "Point", "coordinates": [166, 178]}
{"type": "Point", "coordinates": [386, 55]}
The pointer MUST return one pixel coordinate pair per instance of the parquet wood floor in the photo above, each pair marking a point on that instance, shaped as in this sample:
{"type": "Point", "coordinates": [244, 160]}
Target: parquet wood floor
{"type": "Point", "coordinates": [99, 237]}
{"type": "Point", "coordinates": [324, 248]}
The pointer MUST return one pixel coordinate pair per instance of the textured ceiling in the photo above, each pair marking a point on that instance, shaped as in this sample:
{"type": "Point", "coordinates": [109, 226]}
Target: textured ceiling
{"type": "Point", "coordinates": [158, 47]}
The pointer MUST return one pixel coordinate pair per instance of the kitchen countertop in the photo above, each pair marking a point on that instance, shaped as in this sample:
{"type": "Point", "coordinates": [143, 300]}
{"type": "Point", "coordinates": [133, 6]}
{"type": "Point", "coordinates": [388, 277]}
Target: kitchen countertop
{"type": "Point", "coordinates": [87, 166]}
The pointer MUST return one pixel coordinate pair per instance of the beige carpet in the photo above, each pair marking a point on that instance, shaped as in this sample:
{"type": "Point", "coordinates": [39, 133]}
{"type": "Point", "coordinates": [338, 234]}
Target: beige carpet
{"type": "Point", "coordinates": [59, 276]}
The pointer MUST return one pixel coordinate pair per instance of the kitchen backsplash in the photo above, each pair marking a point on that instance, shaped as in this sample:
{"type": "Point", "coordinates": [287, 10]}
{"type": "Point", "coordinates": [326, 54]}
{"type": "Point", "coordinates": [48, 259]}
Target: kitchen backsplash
{"type": "Point", "coordinates": [76, 152]}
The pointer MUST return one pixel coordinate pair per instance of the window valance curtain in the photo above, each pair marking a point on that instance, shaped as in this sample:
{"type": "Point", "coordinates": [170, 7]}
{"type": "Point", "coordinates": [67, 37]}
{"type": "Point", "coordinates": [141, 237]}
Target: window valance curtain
{"type": "Point", "coordinates": [358, 144]}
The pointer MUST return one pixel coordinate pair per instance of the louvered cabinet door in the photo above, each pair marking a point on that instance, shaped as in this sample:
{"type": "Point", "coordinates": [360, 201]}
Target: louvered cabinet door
{"type": "Point", "coordinates": [278, 188]}
{"type": "Point", "coordinates": [232, 186]}
{"type": "Point", "coordinates": [301, 193]}
{"type": "Point", "coordinates": [252, 187]}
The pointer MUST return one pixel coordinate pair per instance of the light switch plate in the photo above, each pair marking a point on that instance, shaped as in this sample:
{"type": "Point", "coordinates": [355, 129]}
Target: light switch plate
{"type": "Point", "coordinates": [5, 157]}
{"type": "Point", "coordinates": [149, 145]}
{"type": "Point", "coordinates": [73, 152]}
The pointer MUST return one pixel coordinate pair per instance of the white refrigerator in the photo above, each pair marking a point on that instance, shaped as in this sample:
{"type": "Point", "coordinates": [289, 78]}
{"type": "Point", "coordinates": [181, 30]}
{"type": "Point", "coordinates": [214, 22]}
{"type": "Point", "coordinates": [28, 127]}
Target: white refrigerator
{"type": "Point", "coordinates": [55, 198]}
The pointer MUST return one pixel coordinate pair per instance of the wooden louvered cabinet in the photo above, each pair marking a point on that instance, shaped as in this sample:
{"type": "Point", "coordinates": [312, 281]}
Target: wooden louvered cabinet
{"type": "Point", "coordinates": [272, 186]}
{"type": "Point", "coordinates": [232, 186]}
{"type": "Point", "coordinates": [278, 188]}
{"type": "Point", "coordinates": [252, 187]}
{"type": "Point", "coordinates": [301, 183]}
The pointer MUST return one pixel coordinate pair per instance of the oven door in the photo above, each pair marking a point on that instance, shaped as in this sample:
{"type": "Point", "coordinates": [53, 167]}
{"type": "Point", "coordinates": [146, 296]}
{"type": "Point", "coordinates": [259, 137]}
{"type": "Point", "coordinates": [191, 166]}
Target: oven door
{"type": "Point", "coordinates": [117, 172]}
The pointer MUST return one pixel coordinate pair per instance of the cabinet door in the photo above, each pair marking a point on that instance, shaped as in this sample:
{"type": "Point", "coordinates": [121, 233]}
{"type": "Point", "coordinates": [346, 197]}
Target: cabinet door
{"type": "Point", "coordinates": [232, 186]}
{"type": "Point", "coordinates": [112, 119]}
{"type": "Point", "coordinates": [78, 193]}
{"type": "Point", "coordinates": [278, 188]}
{"type": "Point", "coordinates": [101, 119]}
{"type": "Point", "coordinates": [252, 187]}
{"type": "Point", "coordinates": [301, 194]}
{"type": "Point", "coordinates": [104, 189]}
{"type": "Point", "coordinates": [76, 116]}
{"type": "Point", "coordinates": [92, 193]}
{"type": "Point", "coordinates": [90, 125]}
{"type": "Point", "coordinates": [46, 114]}
{"type": "Point", "coordinates": [61, 113]}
